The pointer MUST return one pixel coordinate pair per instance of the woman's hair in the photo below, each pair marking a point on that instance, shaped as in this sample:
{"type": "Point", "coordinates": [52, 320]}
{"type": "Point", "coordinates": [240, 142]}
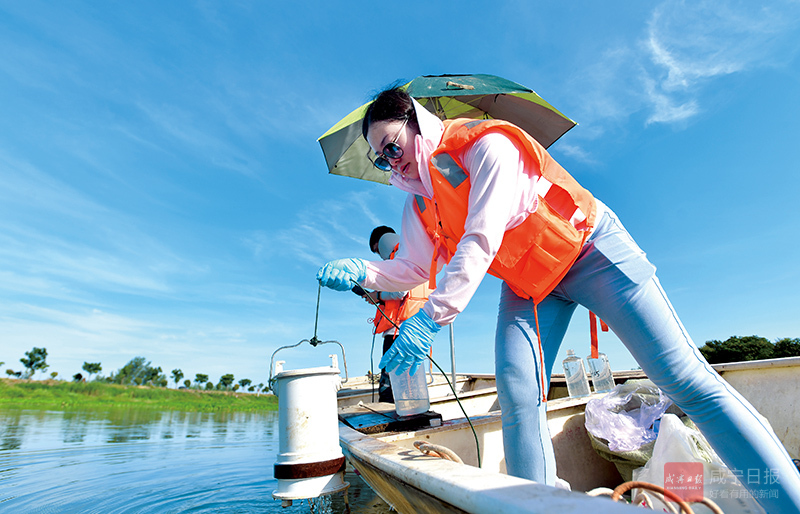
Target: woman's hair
{"type": "Point", "coordinates": [390, 104]}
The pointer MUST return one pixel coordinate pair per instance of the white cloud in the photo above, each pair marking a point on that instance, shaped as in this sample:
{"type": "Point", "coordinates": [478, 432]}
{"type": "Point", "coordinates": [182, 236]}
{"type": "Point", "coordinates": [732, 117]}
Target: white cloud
{"type": "Point", "coordinates": [666, 108]}
{"type": "Point", "coordinates": [685, 50]}
{"type": "Point", "coordinates": [689, 45]}
{"type": "Point", "coordinates": [185, 127]}
{"type": "Point", "coordinates": [575, 152]}
{"type": "Point", "coordinates": [322, 232]}
{"type": "Point", "coordinates": [91, 334]}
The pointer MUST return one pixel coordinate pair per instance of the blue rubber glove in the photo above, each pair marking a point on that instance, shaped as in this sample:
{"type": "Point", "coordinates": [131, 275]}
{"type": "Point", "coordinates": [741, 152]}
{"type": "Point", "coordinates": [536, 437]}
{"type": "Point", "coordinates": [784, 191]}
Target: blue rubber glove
{"type": "Point", "coordinates": [412, 344]}
{"type": "Point", "coordinates": [342, 274]}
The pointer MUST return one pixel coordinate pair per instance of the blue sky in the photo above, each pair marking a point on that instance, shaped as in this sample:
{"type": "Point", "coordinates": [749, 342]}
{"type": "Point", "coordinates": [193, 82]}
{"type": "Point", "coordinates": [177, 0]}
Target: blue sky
{"type": "Point", "coordinates": [163, 193]}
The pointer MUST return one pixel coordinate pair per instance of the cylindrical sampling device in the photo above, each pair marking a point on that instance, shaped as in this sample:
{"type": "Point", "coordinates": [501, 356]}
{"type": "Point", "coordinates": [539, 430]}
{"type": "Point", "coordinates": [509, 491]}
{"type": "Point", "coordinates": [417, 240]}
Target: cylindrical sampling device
{"type": "Point", "coordinates": [310, 462]}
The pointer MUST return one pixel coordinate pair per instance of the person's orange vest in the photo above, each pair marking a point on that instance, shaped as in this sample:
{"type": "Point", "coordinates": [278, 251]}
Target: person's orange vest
{"type": "Point", "coordinates": [535, 255]}
{"type": "Point", "coordinates": [400, 310]}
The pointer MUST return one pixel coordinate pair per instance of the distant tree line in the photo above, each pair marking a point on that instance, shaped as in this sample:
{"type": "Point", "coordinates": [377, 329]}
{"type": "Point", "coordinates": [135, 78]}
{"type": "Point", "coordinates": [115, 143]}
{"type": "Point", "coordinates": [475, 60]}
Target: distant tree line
{"type": "Point", "coordinates": [138, 371]}
{"type": "Point", "coordinates": [749, 348]}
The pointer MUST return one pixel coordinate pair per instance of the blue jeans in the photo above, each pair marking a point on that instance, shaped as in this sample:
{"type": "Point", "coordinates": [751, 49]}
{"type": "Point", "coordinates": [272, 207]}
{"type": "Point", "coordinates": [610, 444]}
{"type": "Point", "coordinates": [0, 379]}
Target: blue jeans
{"type": "Point", "coordinates": [613, 278]}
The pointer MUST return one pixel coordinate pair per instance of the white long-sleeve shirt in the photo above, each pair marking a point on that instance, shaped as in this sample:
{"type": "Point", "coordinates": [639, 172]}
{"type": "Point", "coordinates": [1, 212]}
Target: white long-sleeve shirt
{"type": "Point", "coordinates": [502, 194]}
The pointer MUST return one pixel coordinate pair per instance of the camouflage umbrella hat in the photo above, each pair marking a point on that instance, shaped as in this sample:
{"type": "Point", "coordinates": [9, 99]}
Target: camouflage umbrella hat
{"type": "Point", "coordinates": [448, 97]}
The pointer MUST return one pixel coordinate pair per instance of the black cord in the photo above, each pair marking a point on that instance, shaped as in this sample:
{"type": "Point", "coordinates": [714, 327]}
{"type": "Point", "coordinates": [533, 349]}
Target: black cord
{"type": "Point", "coordinates": [377, 412]}
{"type": "Point", "coordinates": [453, 389]}
{"type": "Point", "coordinates": [371, 371]}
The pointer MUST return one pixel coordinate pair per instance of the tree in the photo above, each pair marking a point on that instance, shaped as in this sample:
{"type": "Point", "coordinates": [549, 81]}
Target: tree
{"type": "Point", "coordinates": [786, 347]}
{"type": "Point", "coordinates": [259, 388]}
{"type": "Point", "coordinates": [735, 349]}
{"type": "Point", "coordinates": [245, 382]}
{"type": "Point", "coordinates": [77, 377]}
{"type": "Point", "coordinates": [36, 361]}
{"type": "Point", "coordinates": [138, 371]}
{"type": "Point", "coordinates": [53, 375]}
{"type": "Point", "coordinates": [225, 381]}
{"type": "Point", "coordinates": [177, 375]}
{"type": "Point", "coordinates": [10, 372]}
{"type": "Point", "coordinates": [187, 383]}
{"type": "Point", "coordinates": [160, 380]}
{"type": "Point", "coordinates": [91, 368]}
{"type": "Point", "coordinates": [209, 386]}
{"type": "Point", "coordinates": [200, 379]}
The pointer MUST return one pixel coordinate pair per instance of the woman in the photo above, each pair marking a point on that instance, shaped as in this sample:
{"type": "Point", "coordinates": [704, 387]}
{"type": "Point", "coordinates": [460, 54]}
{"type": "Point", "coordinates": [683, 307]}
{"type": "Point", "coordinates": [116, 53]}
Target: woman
{"type": "Point", "coordinates": [485, 197]}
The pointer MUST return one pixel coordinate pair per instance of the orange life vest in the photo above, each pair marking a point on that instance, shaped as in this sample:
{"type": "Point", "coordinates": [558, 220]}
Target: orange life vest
{"type": "Point", "coordinates": [535, 255]}
{"type": "Point", "coordinates": [400, 310]}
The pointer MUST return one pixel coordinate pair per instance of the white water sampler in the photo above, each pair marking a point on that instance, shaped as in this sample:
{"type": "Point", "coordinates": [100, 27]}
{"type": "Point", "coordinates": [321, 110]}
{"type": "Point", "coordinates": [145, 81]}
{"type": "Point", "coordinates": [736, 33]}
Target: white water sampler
{"type": "Point", "coordinates": [310, 462]}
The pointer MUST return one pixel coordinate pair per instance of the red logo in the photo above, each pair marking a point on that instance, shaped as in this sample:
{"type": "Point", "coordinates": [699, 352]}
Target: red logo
{"type": "Point", "coordinates": [684, 479]}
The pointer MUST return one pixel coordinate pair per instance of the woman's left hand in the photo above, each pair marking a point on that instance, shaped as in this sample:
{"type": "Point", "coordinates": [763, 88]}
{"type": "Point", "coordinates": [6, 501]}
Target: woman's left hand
{"type": "Point", "coordinates": [412, 344]}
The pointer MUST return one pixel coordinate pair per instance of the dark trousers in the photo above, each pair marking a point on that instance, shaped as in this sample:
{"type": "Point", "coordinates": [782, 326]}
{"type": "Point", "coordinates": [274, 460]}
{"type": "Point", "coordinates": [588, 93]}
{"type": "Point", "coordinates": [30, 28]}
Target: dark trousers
{"type": "Point", "coordinates": [385, 386]}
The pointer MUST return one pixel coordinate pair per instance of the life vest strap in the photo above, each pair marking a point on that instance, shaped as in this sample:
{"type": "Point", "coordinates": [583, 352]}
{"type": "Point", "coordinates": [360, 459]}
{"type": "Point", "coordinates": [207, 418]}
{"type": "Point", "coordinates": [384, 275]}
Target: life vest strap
{"type": "Point", "coordinates": [593, 319]}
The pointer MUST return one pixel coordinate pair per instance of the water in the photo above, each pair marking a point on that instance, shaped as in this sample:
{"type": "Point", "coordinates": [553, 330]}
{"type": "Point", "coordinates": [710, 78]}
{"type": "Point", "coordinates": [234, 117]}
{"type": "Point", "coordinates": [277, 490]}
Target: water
{"type": "Point", "coordinates": [600, 370]}
{"type": "Point", "coordinates": [410, 392]}
{"type": "Point", "coordinates": [575, 374]}
{"type": "Point", "coordinates": [141, 461]}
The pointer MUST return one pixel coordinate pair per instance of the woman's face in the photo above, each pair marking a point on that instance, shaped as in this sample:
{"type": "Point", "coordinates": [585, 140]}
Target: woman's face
{"type": "Point", "coordinates": [381, 133]}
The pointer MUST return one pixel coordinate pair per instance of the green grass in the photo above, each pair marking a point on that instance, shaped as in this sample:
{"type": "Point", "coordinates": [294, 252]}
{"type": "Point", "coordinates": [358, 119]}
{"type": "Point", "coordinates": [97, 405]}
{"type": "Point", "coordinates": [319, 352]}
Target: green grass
{"type": "Point", "coordinates": [52, 394]}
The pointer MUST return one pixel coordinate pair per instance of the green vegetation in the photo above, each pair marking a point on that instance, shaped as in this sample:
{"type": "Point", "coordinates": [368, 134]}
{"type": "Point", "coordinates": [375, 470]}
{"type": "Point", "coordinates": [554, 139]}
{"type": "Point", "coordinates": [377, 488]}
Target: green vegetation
{"type": "Point", "coordinates": [60, 394]}
{"type": "Point", "coordinates": [749, 348]}
{"type": "Point", "coordinates": [92, 368]}
{"type": "Point", "coordinates": [139, 372]}
{"type": "Point", "coordinates": [225, 381]}
{"type": "Point", "coordinates": [786, 347]}
{"type": "Point", "coordinates": [36, 361]}
{"type": "Point", "coordinates": [177, 375]}
{"type": "Point", "coordinates": [138, 383]}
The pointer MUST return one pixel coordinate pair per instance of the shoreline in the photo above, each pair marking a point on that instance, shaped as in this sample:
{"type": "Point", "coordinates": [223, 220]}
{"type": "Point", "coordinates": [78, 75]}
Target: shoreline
{"type": "Point", "coordinates": [57, 394]}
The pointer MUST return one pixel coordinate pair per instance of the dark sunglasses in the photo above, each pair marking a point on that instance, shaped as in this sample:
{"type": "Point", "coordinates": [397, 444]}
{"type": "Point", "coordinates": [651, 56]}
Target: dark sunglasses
{"type": "Point", "coordinates": [390, 151]}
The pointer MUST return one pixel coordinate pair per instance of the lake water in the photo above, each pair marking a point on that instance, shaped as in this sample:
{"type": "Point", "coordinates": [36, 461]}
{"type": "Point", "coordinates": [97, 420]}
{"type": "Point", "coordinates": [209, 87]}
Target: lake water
{"type": "Point", "coordinates": [141, 461]}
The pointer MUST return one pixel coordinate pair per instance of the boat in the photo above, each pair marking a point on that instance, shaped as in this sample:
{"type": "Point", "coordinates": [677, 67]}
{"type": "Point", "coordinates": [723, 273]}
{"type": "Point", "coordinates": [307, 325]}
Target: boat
{"type": "Point", "coordinates": [395, 457]}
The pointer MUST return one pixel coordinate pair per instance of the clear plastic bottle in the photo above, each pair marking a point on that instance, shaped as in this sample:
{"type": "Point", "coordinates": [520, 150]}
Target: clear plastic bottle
{"type": "Point", "coordinates": [600, 370]}
{"type": "Point", "coordinates": [410, 392]}
{"type": "Point", "coordinates": [574, 372]}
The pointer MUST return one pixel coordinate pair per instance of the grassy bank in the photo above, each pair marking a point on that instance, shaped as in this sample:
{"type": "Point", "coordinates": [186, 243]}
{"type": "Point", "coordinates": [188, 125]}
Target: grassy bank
{"type": "Point", "coordinates": [53, 394]}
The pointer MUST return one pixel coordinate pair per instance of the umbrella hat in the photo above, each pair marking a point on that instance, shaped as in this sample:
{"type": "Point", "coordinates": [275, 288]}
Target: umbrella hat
{"type": "Point", "coordinates": [448, 97]}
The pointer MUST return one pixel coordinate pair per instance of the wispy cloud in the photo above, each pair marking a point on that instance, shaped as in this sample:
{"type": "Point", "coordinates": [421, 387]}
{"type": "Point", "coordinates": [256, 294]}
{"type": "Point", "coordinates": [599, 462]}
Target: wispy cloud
{"type": "Point", "coordinates": [666, 73]}
{"type": "Point", "coordinates": [54, 237]}
{"type": "Point", "coordinates": [322, 231]}
{"type": "Point", "coordinates": [183, 126]}
{"type": "Point", "coordinates": [666, 108]}
{"type": "Point", "coordinates": [690, 44]}
{"type": "Point", "coordinates": [575, 152]}
{"type": "Point", "coordinates": [73, 336]}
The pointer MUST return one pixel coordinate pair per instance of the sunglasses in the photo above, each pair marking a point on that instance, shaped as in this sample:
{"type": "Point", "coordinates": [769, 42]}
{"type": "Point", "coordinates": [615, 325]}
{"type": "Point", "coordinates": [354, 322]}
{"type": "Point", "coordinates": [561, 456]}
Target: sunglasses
{"type": "Point", "coordinates": [390, 151]}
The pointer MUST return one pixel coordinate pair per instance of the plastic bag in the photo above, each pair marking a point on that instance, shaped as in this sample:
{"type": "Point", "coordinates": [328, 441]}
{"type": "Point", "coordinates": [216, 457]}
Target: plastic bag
{"type": "Point", "coordinates": [625, 416]}
{"type": "Point", "coordinates": [678, 444]}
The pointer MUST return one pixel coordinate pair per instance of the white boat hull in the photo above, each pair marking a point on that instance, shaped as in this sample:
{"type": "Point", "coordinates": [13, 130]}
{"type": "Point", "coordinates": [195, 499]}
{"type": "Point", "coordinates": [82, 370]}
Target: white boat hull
{"type": "Point", "coordinates": [412, 482]}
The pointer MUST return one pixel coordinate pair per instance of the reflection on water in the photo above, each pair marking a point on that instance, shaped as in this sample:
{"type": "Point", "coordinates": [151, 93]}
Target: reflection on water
{"type": "Point", "coordinates": [132, 460]}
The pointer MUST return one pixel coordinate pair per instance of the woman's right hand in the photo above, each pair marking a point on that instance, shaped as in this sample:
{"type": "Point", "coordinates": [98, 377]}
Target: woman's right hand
{"type": "Point", "coordinates": [342, 274]}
